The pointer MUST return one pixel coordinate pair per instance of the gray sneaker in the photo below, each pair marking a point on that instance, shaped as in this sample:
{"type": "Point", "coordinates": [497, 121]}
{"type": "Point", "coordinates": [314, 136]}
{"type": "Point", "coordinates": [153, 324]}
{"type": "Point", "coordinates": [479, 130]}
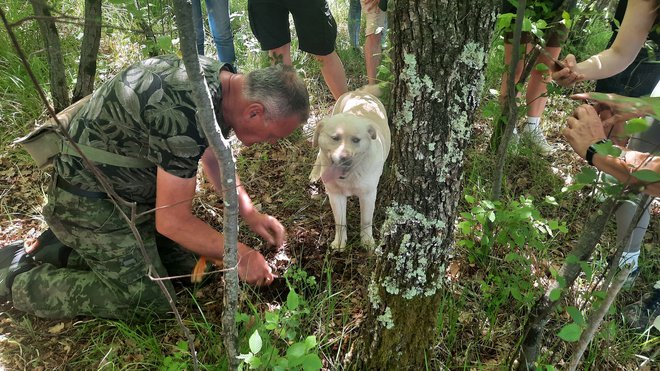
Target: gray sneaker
{"type": "Point", "coordinates": [536, 136]}
{"type": "Point", "coordinates": [643, 314]}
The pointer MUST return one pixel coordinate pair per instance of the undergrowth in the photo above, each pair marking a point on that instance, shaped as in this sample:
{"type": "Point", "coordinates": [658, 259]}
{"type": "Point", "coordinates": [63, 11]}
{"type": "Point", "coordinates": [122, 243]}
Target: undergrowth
{"type": "Point", "coordinates": [504, 256]}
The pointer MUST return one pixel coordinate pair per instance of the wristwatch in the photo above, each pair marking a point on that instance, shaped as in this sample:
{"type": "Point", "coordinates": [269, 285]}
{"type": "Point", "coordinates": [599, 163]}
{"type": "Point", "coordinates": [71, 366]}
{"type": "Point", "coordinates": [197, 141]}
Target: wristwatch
{"type": "Point", "coordinates": [591, 151]}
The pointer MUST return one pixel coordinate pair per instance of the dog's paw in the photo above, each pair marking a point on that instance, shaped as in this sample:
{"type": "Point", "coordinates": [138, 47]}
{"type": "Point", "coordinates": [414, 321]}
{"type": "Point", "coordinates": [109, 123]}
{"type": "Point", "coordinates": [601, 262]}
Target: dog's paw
{"type": "Point", "coordinates": [368, 241]}
{"type": "Point", "coordinates": [338, 245]}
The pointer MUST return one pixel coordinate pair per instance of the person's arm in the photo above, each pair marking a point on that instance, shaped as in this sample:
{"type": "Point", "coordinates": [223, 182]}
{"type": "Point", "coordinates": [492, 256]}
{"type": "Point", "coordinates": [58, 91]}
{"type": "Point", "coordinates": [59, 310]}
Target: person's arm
{"type": "Point", "coordinates": [585, 128]}
{"type": "Point", "coordinates": [637, 23]}
{"type": "Point", "coordinates": [175, 220]}
{"type": "Point", "coordinates": [268, 227]}
{"type": "Point", "coordinates": [621, 168]}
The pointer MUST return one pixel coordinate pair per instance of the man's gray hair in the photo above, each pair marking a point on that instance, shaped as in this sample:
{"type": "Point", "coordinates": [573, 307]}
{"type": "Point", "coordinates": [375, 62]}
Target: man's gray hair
{"type": "Point", "coordinates": [280, 90]}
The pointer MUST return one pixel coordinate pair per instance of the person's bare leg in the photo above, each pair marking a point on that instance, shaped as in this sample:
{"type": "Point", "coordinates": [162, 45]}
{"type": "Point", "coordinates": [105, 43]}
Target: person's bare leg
{"type": "Point", "coordinates": [333, 73]}
{"type": "Point", "coordinates": [536, 89]}
{"type": "Point", "coordinates": [536, 99]}
{"type": "Point", "coordinates": [372, 54]}
{"type": "Point", "coordinates": [281, 55]}
{"type": "Point", "coordinates": [508, 56]}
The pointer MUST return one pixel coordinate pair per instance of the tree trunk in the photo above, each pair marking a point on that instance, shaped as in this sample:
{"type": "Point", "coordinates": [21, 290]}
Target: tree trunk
{"type": "Point", "coordinates": [58, 84]}
{"type": "Point", "coordinates": [439, 55]}
{"type": "Point", "coordinates": [222, 150]}
{"type": "Point", "coordinates": [89, 50]}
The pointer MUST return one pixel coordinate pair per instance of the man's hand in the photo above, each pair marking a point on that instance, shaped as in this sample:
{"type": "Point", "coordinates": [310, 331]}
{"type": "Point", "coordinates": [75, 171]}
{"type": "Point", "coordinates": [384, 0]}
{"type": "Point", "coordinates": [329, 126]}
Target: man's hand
{"type": "Point", "coordinates": [567, 76]}
{"type": "Point", "coordinates": [266, 226]}
{"type": "Point", "coordinates": [614, 110]}
{"type": "Point", "coordinates": [584, 129]}
{"type": "Point", "coordinates": [253, 268]}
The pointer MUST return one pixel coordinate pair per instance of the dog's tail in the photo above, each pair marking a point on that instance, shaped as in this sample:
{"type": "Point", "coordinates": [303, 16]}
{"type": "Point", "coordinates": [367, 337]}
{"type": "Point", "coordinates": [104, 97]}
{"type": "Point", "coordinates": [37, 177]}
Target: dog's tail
{"type": "Point", "coordinates": [373, 89]}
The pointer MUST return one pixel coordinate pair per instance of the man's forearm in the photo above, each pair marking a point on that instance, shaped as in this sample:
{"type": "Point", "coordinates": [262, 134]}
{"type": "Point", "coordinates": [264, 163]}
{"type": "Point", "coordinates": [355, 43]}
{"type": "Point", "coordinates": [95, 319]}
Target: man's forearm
{"type": "Point", "coordinates": [622, 168]}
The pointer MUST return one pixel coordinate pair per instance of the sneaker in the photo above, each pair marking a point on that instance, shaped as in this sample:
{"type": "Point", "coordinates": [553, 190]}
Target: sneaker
{"type": "Point", "coordinates": [13, 261]}
{"type": "Point", "coordinates": [630, 280]}
{"type": "Point", "coordinates": [643, 314]}
{"type": "Point", "coordinates": [536, 136]}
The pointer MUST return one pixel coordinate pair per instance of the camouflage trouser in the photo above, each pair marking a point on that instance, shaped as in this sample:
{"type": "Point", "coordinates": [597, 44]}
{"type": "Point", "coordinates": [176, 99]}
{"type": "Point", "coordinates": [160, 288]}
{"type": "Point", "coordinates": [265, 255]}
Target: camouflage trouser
{"type": "Point", "coordinates": [107, 276]}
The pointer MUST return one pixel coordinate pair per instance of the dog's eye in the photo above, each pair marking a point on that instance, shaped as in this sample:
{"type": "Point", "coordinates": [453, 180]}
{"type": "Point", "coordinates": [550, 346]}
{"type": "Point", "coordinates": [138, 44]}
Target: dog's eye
{"type": "Point", "coordinates": [355, 140]}
{"type": "Point", "coordinates": [335, 137]}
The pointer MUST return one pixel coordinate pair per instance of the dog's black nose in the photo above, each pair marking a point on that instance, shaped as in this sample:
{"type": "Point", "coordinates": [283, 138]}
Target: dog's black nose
{"type": "Point", "coordinates": [345, 162]}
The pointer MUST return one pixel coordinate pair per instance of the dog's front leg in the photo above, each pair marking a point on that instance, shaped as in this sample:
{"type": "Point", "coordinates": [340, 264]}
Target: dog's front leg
{"type": "Point", "coordinates": [338, 204]}
{"type": "Point", "coordinates": [367, 205]}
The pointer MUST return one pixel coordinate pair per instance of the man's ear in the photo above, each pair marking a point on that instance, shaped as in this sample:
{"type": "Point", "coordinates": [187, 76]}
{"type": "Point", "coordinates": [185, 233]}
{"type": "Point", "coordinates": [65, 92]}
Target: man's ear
{"type": "Point", "coordinates": [317, 132]}
{"type": "Point", "coordinates": [253, 110]}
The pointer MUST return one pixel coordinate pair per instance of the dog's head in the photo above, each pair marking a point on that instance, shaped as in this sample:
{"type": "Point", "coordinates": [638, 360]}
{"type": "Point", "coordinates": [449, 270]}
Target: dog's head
{"type": "Point", "coordinates": [344, 139]}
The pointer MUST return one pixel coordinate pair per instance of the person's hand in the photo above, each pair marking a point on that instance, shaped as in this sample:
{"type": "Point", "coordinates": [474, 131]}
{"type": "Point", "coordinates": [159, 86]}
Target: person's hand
{"type": "Point", "coordinates": [371, 4]}
{"type": "Point", "coordinates": [614, 110]}
{"type": "Point", "coordinates": [584, 129]}
{"type": "Point", "coordinates": [567, 76]}
{"type": "Point", "coordinates": [266, 226]}
{"type": "Point", "coordinates": [253, 268]}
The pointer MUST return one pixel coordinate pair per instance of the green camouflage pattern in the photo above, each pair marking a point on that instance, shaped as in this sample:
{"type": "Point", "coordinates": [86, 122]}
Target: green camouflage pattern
{"type": "Point", "coordinates": [107, 274]}
{"type": "Point", "coordinates": [145, 112]}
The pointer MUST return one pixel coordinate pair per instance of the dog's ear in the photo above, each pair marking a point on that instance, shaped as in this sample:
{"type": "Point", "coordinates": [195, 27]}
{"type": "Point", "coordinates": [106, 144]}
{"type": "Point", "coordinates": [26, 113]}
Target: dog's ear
{"type": "Point", "coordinates": [317, 132]}
{"type": "Point", "coordinates": [372, 132]}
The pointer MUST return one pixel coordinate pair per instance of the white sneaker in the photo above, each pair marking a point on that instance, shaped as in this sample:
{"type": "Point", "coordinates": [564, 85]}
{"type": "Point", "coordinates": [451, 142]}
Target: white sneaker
{"type": "Point", "coordinates": [536, 136]}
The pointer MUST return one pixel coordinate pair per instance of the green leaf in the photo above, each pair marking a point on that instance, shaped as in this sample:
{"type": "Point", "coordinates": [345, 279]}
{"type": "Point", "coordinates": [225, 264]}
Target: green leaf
{"type": "Point", "coordinates": [504, 20]}
{"type": "Point", "coordinates": [551, 200]}
{"type": "Point", "coordinates": [527, 25]}
{"type": "Point", "coordinates": [311, 362]}
{"type": "Point", "coordinates": [296, 350]}
{"type": "Point", "coordinates": [515, 292]}
{"type": "Point", "coordinates": [555, 294]}
{"type": "Point", "coordinates": [570, 332]}
{"type": "Point", "coordinates": [255, 342]}
{"type": "Point", "coordinates": [492, 109]}
{"type": "Point", "coordinates": [466, 227]}
{"type": "Point", "coordinates": [255, 362]}
{"type": "Point", "coordinates": [648, 176]}
{"type": "Point", "coordinates": [292, 300]}
{"type": "Point", "coordinates": [310, 342]}
{"type": "Point", "coordinates": [634, 126]}
{"type": "Point", "coordinates": [491, 216]}
{"type": "Point", "coordinates": [587, 269]}
{"type": "Point", "coordinates": [572, 259]}
{"type": "Point", "coordinates": [241, 317]}
{"type": "Point", "coordinates": [576, 315]}
{"type": "Point", "coordinates": [511, 257]}
{"type": "Point", "coordinates": [587, 175]}
{"type": "Point", "coordinates": [566, 18]}
{"type": "Point", "coordinates": [165, 42]}
{"type": "Point", "coordinates": [469, 198]}
{"type": "Point", "coordinates": [541, 67]}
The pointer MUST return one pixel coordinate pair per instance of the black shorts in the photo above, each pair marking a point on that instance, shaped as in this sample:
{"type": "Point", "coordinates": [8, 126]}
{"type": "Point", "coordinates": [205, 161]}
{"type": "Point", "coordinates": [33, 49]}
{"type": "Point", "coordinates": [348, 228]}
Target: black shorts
{"type": "Point", "coordinates": [315, 26]}
{"type": "Point", "coordinates": [545, 9]}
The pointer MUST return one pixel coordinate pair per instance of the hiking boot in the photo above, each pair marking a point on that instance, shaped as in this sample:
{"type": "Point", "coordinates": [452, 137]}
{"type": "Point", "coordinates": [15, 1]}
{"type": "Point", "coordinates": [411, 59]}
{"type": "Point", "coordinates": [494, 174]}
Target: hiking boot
{"type": "Point", "coordinates": [13, 261]}
{"type": "Point", "coordinates": [49, 249]}
{"type": "Point", "coordinates": [537, 138]}
{"type": "Point", "coordinates": [643, 314]}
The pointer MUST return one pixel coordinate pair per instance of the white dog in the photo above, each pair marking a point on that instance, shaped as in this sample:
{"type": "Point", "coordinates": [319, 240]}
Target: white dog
{"type": "Point", "coordinates": [353, 145]}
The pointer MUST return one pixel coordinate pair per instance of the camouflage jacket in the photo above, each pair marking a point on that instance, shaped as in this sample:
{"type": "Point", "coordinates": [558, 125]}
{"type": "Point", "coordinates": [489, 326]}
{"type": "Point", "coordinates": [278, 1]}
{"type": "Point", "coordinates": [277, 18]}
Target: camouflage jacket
{"type": "Point", "coordinates": [147, 112]}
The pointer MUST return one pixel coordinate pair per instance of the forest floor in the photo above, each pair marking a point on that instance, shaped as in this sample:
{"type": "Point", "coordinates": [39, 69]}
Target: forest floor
{"type": "Point", "coordinates": [277, 179]}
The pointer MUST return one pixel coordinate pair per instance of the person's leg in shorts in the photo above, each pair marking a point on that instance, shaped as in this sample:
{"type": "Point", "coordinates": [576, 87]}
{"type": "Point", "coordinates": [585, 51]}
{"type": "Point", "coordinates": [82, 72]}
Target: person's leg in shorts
{"type": "Point", "coordinates": [317, 33]}
{"type": "Point", "coordinates": [376, 23]}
